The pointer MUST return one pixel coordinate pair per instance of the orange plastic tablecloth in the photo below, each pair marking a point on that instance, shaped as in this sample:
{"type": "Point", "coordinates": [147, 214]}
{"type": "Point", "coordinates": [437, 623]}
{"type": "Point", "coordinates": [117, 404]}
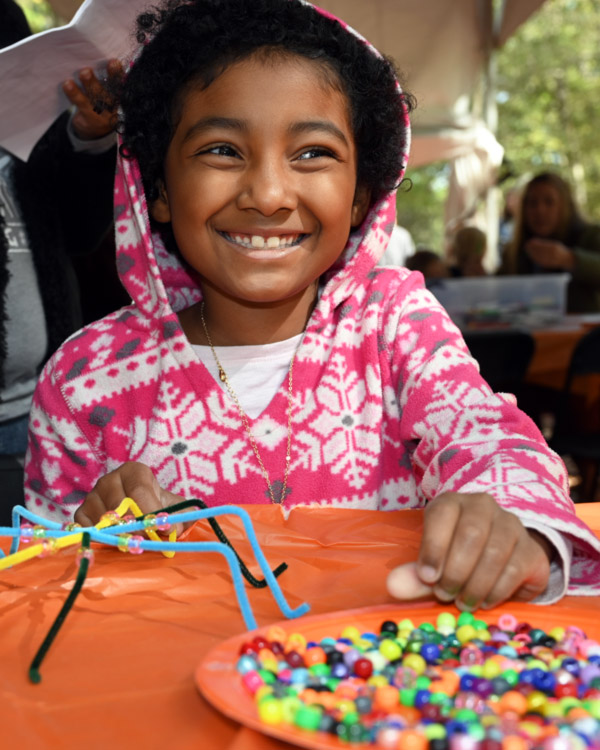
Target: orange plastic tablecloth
{"type": "Point", "coordinates": [120, 673]}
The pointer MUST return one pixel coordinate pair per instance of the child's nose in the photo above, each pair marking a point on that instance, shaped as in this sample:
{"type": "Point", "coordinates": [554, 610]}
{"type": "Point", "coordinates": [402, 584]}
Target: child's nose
{"type": "Point", "coordinates": [268, 187]}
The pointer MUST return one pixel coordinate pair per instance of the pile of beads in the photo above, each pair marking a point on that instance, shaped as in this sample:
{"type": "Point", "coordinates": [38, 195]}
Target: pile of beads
{"type": "Point", "coordinates": [461, 685]}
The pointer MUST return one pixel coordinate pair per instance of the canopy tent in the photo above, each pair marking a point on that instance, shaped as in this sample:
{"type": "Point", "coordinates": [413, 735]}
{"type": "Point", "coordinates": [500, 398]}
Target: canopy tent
{"type": "Point", "coordinates": [445, 50]}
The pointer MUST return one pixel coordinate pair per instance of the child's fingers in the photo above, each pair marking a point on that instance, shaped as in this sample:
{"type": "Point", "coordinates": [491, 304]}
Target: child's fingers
{"type": "Point", "coordinates": [73, 93]}
{"type": "Point", "coordinates": [441, 516]}
{"type": "Point", "coordinates": [90, 511]}
{"type": "Point", "coordinates": [525, 577]}
{"type": "Point", "coordinates": [475, 553]}
{"type": "Point", "coordinates": [499, 567]}
{"type": "Point", "coordinates": [455, 532]}
{"type": "Point", "coordinates": [139, 483]}
{"type": "Point", "coordinates": [86, 93]}
{"type": "Point", "coordinates": [94, 114]}
{"type": "Point", "coordinates": [92, 88]}
{"type": "Point", "coordinates": [114, 68]}
{"type": "Point", "coordinates": [133, 480]}
{"type": "Point", "coordinates": [470, 537]}
{"type": "Point", "coordinates": [103, 497]}
{"type": "Point", "coordinates": [403, 582]}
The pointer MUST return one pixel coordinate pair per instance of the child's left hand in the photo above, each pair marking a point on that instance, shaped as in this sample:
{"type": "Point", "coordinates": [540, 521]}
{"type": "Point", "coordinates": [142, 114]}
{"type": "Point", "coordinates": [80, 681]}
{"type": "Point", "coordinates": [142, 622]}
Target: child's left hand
{"type": "Point", "coordinates": [95, 114]}
{"type": "Point", "coordinates": [475, 554]}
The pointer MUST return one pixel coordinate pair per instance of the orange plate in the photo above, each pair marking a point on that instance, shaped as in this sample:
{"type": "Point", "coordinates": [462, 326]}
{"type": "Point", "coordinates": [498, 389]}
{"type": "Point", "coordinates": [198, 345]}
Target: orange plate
{"type": "Point", "coordinates": [219, 682]}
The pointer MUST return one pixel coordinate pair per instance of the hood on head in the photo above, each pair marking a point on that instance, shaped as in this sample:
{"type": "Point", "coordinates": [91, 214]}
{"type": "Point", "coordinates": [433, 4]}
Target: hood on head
{"type": "Point", "coordinates": [161, 284]}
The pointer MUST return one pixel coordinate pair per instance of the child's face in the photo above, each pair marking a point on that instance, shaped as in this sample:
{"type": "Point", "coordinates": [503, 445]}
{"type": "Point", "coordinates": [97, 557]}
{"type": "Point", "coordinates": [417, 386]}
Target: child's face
{"type": "Point", "coordinates": [260, 179]}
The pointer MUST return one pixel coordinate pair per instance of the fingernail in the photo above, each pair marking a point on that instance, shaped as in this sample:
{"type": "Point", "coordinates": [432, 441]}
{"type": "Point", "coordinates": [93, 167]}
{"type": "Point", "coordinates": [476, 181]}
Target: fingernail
{"type": "Point", "coordinates": [428, 574]}
{"type": "Point", "coordinates": [86, 73]}
{"type": "Point", "coordinates": [443, 595]}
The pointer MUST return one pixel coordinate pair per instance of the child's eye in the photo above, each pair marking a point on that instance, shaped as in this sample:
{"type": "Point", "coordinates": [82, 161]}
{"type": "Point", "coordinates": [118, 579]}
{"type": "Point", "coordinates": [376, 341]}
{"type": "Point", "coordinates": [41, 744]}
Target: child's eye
{"type": "Point", "coordinates": [316, 153]}
{"type": "Point", "coordinates": [221, 149]}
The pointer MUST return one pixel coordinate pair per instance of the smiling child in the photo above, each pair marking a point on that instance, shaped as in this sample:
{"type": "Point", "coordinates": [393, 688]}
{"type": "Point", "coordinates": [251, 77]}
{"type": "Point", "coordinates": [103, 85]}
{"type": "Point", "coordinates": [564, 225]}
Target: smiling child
{"type": "Point", "coordinates": [265, 357]}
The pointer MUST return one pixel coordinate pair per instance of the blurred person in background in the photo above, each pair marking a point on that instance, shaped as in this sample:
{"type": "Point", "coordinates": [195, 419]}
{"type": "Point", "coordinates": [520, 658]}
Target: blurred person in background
{"type": "Point", "coordinates": [467, 252]}
{"type": "Point", "coordinates": [429, 263]}
{"type": "Point", "coordinates": [552, 236]}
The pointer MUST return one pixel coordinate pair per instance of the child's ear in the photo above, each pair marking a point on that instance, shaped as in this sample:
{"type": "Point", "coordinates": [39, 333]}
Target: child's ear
{"type": "Point", "coordinates": [160, 209]}
{"type": "Point", "coordinates": [360, 205]}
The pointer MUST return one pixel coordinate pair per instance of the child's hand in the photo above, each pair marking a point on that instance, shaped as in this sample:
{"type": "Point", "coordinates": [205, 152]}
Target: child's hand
{"type": "Point", "coordinates": [475, 554]}
{"type": "Point", "coordinates": [95, 115]}
{"type": "Point", "coordinates": [133, 480]}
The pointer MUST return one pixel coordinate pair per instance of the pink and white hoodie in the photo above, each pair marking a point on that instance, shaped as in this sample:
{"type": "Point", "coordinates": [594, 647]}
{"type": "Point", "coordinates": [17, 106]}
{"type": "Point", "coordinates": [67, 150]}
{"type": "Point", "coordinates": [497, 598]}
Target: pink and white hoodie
{"type": "Point", "coordinates": [389, 409]}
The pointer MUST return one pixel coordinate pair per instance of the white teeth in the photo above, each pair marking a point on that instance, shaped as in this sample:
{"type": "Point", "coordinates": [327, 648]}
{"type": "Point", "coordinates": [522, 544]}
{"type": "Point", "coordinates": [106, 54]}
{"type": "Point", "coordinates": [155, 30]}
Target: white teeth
{"type": "Point", "coordinates": [259, 242]}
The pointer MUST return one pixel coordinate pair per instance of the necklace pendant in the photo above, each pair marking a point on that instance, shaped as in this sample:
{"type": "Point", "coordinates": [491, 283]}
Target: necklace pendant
{"type": "Point", "coordinates": [222, 376]}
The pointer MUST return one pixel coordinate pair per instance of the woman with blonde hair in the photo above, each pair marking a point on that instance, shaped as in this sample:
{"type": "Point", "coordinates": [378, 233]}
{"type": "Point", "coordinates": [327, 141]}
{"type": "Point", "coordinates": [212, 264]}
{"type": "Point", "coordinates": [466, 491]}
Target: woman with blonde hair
{"type": "Point", "coordinates": [551, 235]}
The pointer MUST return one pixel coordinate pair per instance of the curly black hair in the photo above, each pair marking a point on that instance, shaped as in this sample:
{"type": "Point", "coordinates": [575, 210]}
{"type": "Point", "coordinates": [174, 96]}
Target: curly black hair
{"type": "Point", "coordinates": [187, 42]}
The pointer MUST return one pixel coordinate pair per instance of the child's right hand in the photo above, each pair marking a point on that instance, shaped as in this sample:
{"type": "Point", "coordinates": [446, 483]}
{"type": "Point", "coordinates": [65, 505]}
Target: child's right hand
{"type": "Point", "coordinates": [132, 479]}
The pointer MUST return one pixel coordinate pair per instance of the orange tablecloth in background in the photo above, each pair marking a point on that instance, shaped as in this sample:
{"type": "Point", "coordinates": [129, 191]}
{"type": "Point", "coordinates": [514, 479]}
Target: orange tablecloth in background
{"type": "Point", "coordinates": [120, 673]}
{"type": "Point", "coordinates": [552, 354]}
{"type": "Point", "coordinates": [548, 368]}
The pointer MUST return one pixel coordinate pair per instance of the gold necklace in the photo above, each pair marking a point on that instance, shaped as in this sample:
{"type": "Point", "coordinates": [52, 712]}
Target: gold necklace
{"type": "Point", "coordinates": [224, 379]}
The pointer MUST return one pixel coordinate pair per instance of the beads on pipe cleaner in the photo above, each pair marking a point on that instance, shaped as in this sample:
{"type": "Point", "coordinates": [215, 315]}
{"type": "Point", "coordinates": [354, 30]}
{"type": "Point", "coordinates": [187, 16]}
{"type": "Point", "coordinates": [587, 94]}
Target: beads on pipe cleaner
{"type": "Point", "coordinates": [135, 544]}
{"type": "Point", "coordinates": [149, 521]}
{"type": "Point", "coordinates": [71, 526]}
{"type": "Point", "coordinates": [543, 695]}
{"type": "Point", "coordinates": [43, 540]}
{"type": "Point", "coordinates": [26, 533]}
{"type": "Point", "coordinates": [109, 518]}
{"type": "Point", "coordinates": [86, 553]}
{"type": "Point", "coordinates": [49, 547]}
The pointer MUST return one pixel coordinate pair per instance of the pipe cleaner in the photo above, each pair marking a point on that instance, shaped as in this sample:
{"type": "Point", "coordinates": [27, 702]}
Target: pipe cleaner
{"type": "Point", "coordinates": [120, 528]}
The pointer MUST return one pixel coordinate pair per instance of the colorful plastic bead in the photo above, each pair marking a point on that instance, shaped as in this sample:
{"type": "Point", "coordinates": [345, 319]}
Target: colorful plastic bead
{"type": "Point", "coordinates": [162, 522]}
{"type": "Point", "coordinates": [85, 553]}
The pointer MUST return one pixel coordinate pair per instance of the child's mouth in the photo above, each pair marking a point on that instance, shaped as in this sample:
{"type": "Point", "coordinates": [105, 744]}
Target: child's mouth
{"type": "Point", "coordinates": [258, 242]}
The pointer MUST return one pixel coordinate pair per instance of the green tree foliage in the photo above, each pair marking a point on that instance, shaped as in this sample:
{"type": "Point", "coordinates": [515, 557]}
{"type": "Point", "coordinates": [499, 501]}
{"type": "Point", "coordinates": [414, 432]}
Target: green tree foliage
{"type": "Point", "coordinates": [548, 83]}
{"type": "Point", "coordinates": [548, 110]}
{"type": "Point", "coordinates": [549, 96]}
{"type": "Point", "coordinates": [420, 204]}
{"type": "Point", "coordinates": [39, 15]}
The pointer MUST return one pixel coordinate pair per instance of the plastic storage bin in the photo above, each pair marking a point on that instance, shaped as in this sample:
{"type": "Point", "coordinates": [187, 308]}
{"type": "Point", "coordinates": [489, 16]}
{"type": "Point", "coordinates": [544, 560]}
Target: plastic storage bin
{"type": "Point", "coordinates": [529, 301]}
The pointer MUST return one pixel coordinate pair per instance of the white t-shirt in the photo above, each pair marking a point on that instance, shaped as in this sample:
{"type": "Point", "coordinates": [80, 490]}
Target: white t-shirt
{"type": "Point", "coordinates": [254, 372]}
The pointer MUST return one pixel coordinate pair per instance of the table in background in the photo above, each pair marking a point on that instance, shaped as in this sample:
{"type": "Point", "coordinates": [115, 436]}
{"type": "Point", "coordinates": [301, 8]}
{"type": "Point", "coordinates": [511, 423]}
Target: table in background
{"type": "Point", "coordinates": [545, 379]}
{"type": "Point", "coordinates": [554, 347]}
{"type": "Point", "coordinates": [120, 673]}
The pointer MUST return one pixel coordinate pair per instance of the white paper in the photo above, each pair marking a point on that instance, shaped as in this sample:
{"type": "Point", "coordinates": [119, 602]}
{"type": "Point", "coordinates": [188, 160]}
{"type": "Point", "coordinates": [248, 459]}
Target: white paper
{"type": "Point", "coordinates": [32, 71]}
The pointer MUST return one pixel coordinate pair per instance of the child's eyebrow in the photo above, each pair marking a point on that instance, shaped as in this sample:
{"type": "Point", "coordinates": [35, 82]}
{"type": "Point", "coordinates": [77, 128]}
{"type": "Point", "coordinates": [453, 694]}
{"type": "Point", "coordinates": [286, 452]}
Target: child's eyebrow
{"type": "Point", "coordinates": [210, 123]}
{"type": "Point", "coordinates": [310, 126]}
{"type": "Point", "coordinates": [232, 123]}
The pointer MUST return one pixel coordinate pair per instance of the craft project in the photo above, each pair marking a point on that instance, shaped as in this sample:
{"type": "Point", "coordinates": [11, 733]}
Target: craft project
{"type": "Point", "coordinates": [131, 531]}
